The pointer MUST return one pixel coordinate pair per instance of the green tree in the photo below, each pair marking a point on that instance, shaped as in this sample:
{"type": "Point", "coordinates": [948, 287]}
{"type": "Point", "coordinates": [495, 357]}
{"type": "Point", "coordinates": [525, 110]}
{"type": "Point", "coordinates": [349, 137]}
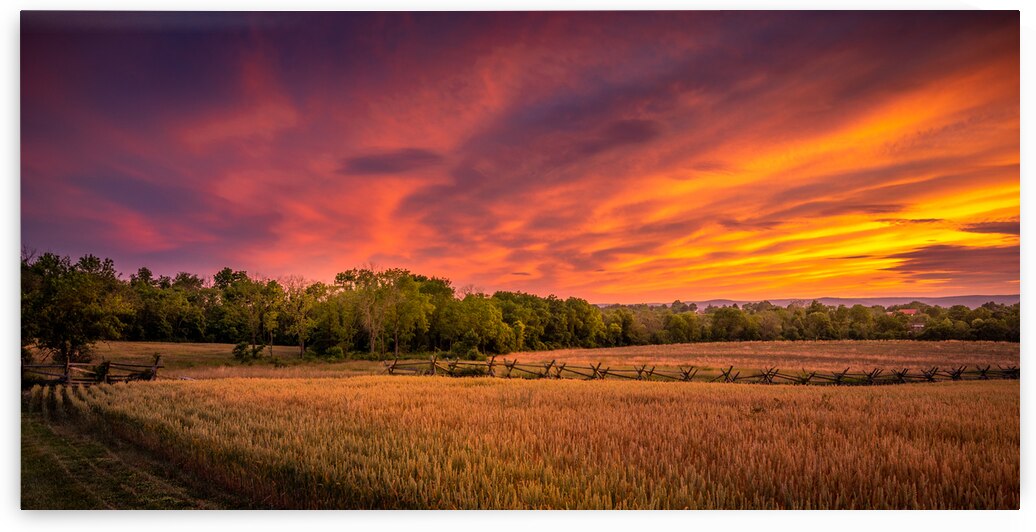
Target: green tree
{"type": "Point", "coordinates": [890, 326]}
{"type": "Point", "coordinates": [683, 327]}
{"type": "Point", "coordinates": [531, 311]}
{"type": "Point", "coordinates": [769, 324]}
{"type": "Point", "coordinates": [475, 322]}
{"type": "Point", "coordinates": [251, 308]}
{"type": "Point", "coordinates": [408, 308]}
{"type": "Point", "coordinates": [440, 293]}
{"type": "Point", "coordinates": [586, 327]}
{"type": "Point", "coordinates": [372, 290]}
{"type": "Point", "coordinates": [861, 323]}
{"type": "Point", "coordinates": [300, 299]}
{"type": "Point", "coordinates": [620, 325]}
{"type": "Point", "coordinates": [728, 323]}
{"type": "Point", "coordinates": [68, 307]}
{"type": "Point", "coordinates": [819, 326]}
{"type": "Point", "coordinates": [336, 324]}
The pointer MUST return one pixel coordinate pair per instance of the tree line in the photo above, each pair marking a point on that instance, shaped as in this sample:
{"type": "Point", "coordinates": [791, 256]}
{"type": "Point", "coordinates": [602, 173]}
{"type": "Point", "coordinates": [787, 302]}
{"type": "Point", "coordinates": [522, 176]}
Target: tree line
{"type": "Point", "coordinates": [375, 313]}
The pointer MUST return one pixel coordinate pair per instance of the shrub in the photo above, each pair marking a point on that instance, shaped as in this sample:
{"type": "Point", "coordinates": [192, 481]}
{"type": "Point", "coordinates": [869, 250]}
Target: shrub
{"type": "Point", "coordinates": [244, 352]}
{"type": "Point", "coordinates": [467, 353]}
{"type": "Point", "coordinates": [335, 353]}
{"type": "Point", "coordinates": [469, 371]}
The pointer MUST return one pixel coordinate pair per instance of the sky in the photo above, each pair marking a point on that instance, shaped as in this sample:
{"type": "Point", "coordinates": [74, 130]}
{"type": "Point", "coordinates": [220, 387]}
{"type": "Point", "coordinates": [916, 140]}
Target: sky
{"type": "Point", "coordinates": [618, 157]}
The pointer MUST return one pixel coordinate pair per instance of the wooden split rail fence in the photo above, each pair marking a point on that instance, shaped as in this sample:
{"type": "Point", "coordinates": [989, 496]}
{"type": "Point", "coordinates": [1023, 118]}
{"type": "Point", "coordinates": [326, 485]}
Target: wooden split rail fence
{"type": "Point", "coordinates": [561, 370]}
{"type": "Point", "coordinates": [85, 374]}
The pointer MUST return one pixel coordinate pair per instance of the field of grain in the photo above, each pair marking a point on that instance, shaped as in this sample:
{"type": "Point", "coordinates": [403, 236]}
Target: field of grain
{"type": "Point", "coordinates": [427, 442]}
{"type": "Point", "coordinates": [207, 361]}
{"type": "Point", "coordinates": [820, 355]}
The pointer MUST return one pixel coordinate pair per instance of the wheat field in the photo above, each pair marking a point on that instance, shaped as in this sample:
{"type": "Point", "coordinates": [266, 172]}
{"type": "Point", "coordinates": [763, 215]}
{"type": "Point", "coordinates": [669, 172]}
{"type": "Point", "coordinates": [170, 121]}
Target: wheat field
{"type": "Point", "coordinates": [833, 355]}
{"type": "Point", "coordinates": [214, 361]}
{"type": "Point", "coordinates": [427, 442]}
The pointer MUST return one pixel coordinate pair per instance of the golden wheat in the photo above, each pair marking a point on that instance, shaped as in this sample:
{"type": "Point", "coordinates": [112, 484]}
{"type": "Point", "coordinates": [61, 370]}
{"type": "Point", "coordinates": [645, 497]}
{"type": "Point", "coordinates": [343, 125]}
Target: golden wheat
{"type": "Point", "coordinates": [427, 442]}
{"type": "Point", "coordinates": [822, 355]}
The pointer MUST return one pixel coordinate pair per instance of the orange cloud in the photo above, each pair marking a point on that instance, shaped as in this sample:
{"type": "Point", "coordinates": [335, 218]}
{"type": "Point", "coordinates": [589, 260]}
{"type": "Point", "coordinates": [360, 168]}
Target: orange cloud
{"type": "Point", "coordinates": [618, 157]}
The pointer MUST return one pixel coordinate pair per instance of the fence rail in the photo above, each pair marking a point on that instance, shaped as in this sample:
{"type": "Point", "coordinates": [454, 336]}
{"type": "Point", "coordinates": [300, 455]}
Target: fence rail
{"type": "Point", "coordinates": [554, 370]}
{"type": "Point", "coordinates": [86, 374]}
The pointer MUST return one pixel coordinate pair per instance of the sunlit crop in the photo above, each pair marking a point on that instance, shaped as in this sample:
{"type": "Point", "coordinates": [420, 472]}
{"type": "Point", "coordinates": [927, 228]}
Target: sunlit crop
{"type": "Point", "coordinates": [428, 442]}
{"type": "Point", "coordinates": [861, 355]}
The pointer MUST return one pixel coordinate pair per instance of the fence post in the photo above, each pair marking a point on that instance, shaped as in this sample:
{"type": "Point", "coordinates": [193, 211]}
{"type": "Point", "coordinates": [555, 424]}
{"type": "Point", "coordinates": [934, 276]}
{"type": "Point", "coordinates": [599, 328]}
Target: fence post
{"type": "Point", "coordinates": [154, 368]}
{"type": "Point", "coordinates": [431, 366]}
{"type": "Point", "coordinates": [546, 370]}
{"type": "Point", "coordinates": [105, 372]}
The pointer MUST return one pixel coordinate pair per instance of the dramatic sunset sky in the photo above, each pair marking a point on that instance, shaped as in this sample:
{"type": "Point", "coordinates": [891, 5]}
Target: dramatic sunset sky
{"type": "Point", "coordinates": [618, 157]}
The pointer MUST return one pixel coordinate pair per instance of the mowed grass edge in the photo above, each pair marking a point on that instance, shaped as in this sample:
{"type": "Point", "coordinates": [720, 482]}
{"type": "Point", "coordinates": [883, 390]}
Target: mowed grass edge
{"type": "Point", "coordinates": [65, 466]}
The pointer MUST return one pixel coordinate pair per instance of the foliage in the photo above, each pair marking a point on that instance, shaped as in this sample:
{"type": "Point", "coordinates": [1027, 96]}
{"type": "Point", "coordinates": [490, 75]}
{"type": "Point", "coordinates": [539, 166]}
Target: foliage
{"type": "Point", "coordinates": [66, 307]}
{"type": "Point", "coordinates": [335, 353]}
{"type": "Point", "coordinates": [298, 306]}
{"type": "Point", "coordinates": [245, 352]}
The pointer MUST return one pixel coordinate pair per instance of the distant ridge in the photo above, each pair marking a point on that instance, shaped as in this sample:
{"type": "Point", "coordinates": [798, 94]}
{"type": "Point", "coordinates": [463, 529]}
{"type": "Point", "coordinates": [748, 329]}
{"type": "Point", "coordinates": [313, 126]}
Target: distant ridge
{"type": "Point", "coordinates": [973, 301]}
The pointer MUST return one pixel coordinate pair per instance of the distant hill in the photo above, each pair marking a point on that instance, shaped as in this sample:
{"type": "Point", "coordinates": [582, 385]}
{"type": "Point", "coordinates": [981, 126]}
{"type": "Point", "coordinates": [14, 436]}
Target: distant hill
{"type": "Point", "coordinates": [948, 301]}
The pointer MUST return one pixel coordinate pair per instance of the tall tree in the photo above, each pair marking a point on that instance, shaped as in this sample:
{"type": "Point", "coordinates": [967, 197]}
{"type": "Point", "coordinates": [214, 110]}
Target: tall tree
{"type": "Point", "coordinates": [335, 322]}
{"type": "Point", "coordinates": [251, 306]}
{"type": "Point", "coordinates": [71, 306]}
{"type": "Point", "coordinates": [372, 289]}
{"type": "Point", "coordinates": [300, 299]}
{"type": "Point", "coordinates": [408, 308]}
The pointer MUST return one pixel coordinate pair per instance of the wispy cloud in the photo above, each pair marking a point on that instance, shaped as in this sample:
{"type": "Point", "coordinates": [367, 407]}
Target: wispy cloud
{"type": "Point", "coordinates": [1007, 228]}
{"type": "Point", "coordinates": [392, 162]}
{"type": "Point", "coordinates": [613, 156]}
